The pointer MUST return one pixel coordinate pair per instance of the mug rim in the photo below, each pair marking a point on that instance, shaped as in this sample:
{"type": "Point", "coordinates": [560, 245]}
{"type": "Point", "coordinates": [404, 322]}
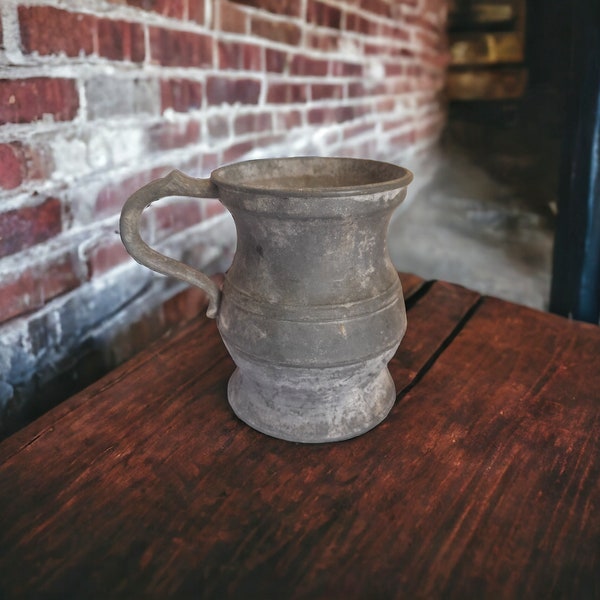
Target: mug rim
{"type": "Point", "coordinates": [402, 177]}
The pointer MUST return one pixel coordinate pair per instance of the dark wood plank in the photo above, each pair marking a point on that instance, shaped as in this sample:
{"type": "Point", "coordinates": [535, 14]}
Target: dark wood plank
{"type": "Point", "coordinates": [501, 443]}
{"type": "Point", "coordinates": [174, 352]}
{"type": "Point", "coordinates": [482, 481]}
{"type": "Point", "coordinates": [410, 284]}
{"type": "Point", "coordinates": [435, 312]}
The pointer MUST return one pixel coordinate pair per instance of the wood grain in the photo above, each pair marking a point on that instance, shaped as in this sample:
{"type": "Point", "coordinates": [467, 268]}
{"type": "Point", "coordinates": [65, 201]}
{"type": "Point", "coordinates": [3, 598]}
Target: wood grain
{"type": "Point", "coordinates": [482, 482]}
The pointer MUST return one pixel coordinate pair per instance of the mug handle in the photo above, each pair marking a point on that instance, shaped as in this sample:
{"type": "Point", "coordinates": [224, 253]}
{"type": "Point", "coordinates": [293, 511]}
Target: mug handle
{"type": "Point", "coordinates": [175, 183]}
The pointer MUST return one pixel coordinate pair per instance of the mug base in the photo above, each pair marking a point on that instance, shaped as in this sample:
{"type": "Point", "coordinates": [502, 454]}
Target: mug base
{"type": "Point", "coordinates": [312, 405]}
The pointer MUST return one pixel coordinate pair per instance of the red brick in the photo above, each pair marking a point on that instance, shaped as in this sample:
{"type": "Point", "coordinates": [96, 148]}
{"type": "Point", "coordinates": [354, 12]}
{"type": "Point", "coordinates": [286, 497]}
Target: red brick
{"type": "Point", "coordinates": [174, 217]}
{"type": "Point", "coordinates": [378, 89]}
{"type": "Point", "coordinates": [290, 8]}
{"type": "Point", "coordinates": [378, 7]}
{"type": "Point", "coordinates": [289, 119]}
{"type": "Point", "coordinates": [394, 32]}
{"type": "Point", "coordinates": [232, 18]}
{"type": "Point", "coordinates": [400, 33]}
{"type": "Point", "coordinates": [212, 208]}
{"type": "Point", "coordinates": [19, 163]}
{"type": "Point", "coordinates": [27, 100]}
{"type": "Point", "coordinates": [181, 95]}
{"type": "Point", "coordinates": [49, 30]}
{"type": "Point", "coordinates": [221, 90]}
{"type": "Point", "coordinates": [385, 105]}
{"type": "Point", "coordinates": [323, 41]}
{"type": "Point", "coordinates": [436, 61]}
{"type": "Point", "coordinates": [237, 151]}
{"type": "Point", "coordinates": [111, 198]}
{"type": "Point", "coordinates": [19, 295]}
{"type": "Point", "coordinates": [166, 136]}
{"type": "Point", "coordinates": [196, 11]}
{"type": "Point", "coordinates": [60, 274]}
{"type": "Point", "coordinates": [168, 8]}
{"type": "Point", "coordinates": [359, 24]}
{"type": "Point", "coordinates": [321, 91]}
{"type": "Point", "coordinates": [404, 139]}
{"type": "Point", "coordinates": [398, 7]}
{"type": "Point", "coordinates": [303, 65]}
{"type": "Point", "coordinates": [321, 116]}
{"type": "Point", "coordinates": [323, 15]}
{"type": "Point", "coordinates": [419, 21]}
{"type": "Point", "coordinates": [286, 93]}
{"type": "Point", "coordinates": [394, 69]}
{"type": "Point", "coordinates": [263, 141]}
{"type": "Point", "coordinates": [275, 60]}
{"type": "Point", "coordinates": [106, 255]}
{"type": "Point", "coordinates": [121, 40]}
{"type": "Point", "coordinates": [414, 71]}
{"type": "Point", "coordinates": [235, 55]}
{"type": "Point", "coordinates": [358, 89]}
{"type": "Point", "coordinates": [252, 122]}
{"type": "Point", "coordinates": [378, 49]}
{"type": "Point", "coordinates": [396, 123]}
{"type": "Point", "coordinates": [37, 161]}
{"type": "Point", "coordinates": [364, 148]}
{"type": "Point", "coordinates": [43, 31]}
{"type": "Point", "coordinates": [346, 69]}
{"type": "Point", "coordinates": [386, 30]}
{"type": "Point", "coordinates": [35, 285]}
{"type": "Point", "coordinates": [25, 227]}
{"type": "Point", "coordinates": [277, 31]}
{"type": "Point", "coordinates": [346, 113]}
{"type": "Point", "coordinates": [356, 130]}
{"type": "Point", "coordinates": [360, 110]}
{"type": "Point", "coordinates": [172, 48]}
{"type": "Point", "coordinates": [12, 169]}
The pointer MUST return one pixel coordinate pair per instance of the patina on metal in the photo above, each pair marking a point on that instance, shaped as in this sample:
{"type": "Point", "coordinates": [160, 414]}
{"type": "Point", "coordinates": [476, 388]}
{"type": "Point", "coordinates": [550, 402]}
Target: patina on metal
{"type": "Point", "coordinates": [311, 309]}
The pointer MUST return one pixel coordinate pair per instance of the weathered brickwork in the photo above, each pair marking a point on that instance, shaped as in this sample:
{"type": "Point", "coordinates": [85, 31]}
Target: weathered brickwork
{"type": "Point", "coordinates": [97, 98]}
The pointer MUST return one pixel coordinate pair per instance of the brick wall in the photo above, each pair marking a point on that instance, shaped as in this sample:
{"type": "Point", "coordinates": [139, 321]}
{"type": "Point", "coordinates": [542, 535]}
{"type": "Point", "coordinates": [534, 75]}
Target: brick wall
{"type": "Point", "coordinates": [99, 97]}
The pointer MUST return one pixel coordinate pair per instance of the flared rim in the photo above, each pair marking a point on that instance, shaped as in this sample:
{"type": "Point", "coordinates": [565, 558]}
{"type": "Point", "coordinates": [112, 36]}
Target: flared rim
{"type": "Point", "coordinates": [312, 176]}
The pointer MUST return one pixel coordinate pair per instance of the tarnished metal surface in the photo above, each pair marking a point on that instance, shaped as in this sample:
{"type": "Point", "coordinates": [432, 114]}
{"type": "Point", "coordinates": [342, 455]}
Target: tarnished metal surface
{"type": "Point", "coordinates": [311, 309]}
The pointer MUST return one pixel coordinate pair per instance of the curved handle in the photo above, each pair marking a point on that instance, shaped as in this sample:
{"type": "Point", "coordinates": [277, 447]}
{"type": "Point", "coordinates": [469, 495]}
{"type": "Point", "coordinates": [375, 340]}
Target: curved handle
{"type": "Point", "coordinates": [174, 184]}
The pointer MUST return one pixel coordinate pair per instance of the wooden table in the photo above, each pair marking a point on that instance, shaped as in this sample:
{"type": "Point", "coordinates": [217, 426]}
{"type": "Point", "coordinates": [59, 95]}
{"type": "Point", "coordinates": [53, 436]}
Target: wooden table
{"type": "Point", "coordinates": [482, 483]}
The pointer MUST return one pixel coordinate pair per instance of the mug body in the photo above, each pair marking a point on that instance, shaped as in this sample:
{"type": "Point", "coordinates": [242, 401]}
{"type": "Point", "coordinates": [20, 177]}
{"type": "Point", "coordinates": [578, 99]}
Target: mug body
{"type": "Point", "coordinates": [312, 307]}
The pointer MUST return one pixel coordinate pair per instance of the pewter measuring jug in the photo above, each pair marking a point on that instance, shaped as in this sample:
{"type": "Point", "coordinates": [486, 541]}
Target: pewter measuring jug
{"type": "Point", "coordinates": [311, 309]}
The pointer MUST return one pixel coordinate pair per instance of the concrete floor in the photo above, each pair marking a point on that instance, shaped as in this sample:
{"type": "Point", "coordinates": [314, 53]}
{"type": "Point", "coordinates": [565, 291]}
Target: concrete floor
{"type": "Point", "coordinates": [469, 226]}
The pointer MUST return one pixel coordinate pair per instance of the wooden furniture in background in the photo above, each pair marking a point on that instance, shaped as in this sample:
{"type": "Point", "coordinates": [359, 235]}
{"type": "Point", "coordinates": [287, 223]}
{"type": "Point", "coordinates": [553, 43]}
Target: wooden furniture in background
{"type": "Point", "coordinates": [487, 50]}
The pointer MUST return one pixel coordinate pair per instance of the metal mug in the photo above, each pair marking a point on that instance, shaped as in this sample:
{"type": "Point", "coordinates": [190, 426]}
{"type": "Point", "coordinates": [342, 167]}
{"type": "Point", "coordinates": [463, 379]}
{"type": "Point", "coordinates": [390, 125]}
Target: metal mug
{"type": "Point", "coordinates": [311, 309]}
